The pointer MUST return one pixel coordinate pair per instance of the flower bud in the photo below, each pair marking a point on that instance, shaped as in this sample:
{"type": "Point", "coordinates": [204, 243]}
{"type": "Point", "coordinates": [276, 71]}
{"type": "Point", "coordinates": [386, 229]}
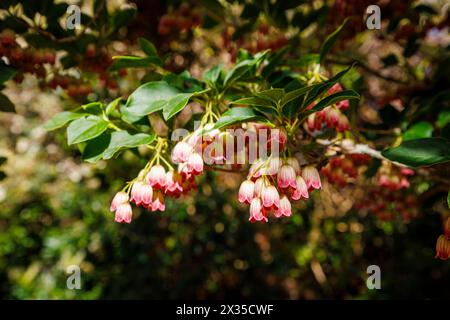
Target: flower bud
{"type": "Point", "coordinates": [256, 211]}
{"type": "Point", "coordinates": [447, 229]}
{"type": "Point", "coordinates": [158, 201]}
{"type": "Point", "coordinates": [293, 162]}
{"type": "Point", "coordinates": [311, 177]}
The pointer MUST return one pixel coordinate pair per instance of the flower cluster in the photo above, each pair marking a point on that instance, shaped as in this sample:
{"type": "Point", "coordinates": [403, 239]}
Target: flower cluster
{"type": "Point", "coordinates": [330, 117]}
{"type": "Point", "coordinates": [272, 183]}
{"type": "Point", "coordinates": [343, 169]}
{"type": "Point", "coordinates": [27, 60]}
{"type": "Point", "coordinates": [443, 243]}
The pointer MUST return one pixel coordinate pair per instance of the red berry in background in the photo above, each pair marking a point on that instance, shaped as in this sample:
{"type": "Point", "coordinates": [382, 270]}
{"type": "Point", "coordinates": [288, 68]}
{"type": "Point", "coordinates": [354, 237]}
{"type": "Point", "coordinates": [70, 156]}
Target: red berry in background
{"type": "Point", "coordinates": [263, 28]}
{"type": "Point", "coordinates": [7, 38]}
{"type": "Point", "coordinates": [184, 9]}
{"type": "Point", "coordinates": [90, 51]}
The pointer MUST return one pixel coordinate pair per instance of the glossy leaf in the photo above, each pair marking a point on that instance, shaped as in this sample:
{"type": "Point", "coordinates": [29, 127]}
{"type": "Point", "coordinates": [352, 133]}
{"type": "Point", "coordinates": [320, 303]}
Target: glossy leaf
{"type": "Point", "coordinates": [86, 128]}
{"type": "Point", "coordinates": [235, 115]}
{"type": "Point", "coordinates": [121, 62]}
{"type": "Point", "coordinates": [150, 97]}
{"type": "Point", "coordinates": [61, 119]}
{"type": "Point", "coordinates": [6, 105]}
{"type": "Point", "coordinates": [334, 98]}
{"type": "Point", "coordinates": [148, 47]}
{"type": "Point", "coordinates": [421, 129]}
{"type": "Point", "coordinates": [330, 40]}
{"type": "Point", "coordinates": [6, 72]}
{"type": "Point", "coordinates": [176, 104]}
{"type": "Point", "coordinates": [420, 152]}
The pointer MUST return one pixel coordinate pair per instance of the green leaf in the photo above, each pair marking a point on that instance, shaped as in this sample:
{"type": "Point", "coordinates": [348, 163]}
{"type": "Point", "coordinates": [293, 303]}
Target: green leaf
{"type": "Point", "coordinates": [148, 47]}
{"type": "Point", "coordinates": [61, 119]}
{"type": "Point", "coordinates": [212, 75]}
{"type": "Point", "coordinates": [334, 98]}
{"type": "Point", "coordinates": [112, 106]}
{"type": "Point", "coordinates": [93, 108]}
{"type": "Point", "coordinates": [420, 152]}
{"type": "Point", "coordinates": [253, 101]}
{"type": "Point", "coordinates": [108, 144]}
{"type": "Point", "coordinates": [6, 72]}
{"type": "Point", "coordinates": [121, 62]}
{"type": "Point", "coordinates": [150, 97]}
{"type": "Point", "coordinates": [5, 104]}
{"type": "Point", "coordinates": [176, 104]}
{"type": "Point", "coordinates": [122, 17]}
{"type": "Point", "coordinates": [330, 40]}
{"type": "Point", "coordinates": [274, 95]}
{"type": "Point", "coordinates": [443, 118]}
{"type": "Point", "coordinates": [235, 115]}
{"type": "Point", "coordinates": [421, 129]}
{"type": "Point", "coordinates": [243, 67]}
{"type": "Point", "coordinates": [294, 94]}
{"type": "Point", "coordinates": [448, 199]}
{"type": "Point", "coordinates": [320, 88]}
{"type": "Point", "coordinates": [86, 128]}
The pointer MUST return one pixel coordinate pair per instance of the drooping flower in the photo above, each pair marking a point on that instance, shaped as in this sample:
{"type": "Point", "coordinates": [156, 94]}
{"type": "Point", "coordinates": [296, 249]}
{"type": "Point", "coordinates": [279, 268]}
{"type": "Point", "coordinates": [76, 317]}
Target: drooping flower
{"type": "Point", "coordinates": [120, 198]}
{"type": "Point", "coordinates": [311, 177]}
{"type": "Point", "coordinates": [246, 191]}
{"type": "Point", "coordinates": [195, 163]}
{"type": "Point", "coordinates": [342, 123]}
{"type": "Point", "coordinates": [274, 166]}
{"type": "Point", "coordinates": [174, 183]}
{"type": "Point", "coordinates": [256, 211]}
{"type": "Point", "coordinates": [286, 177]}
{"type": "Point", "coordinates": [157, 176]}
{"type": "Point", "coordinates": [158, 201]}
{"type": "Point", "coordinates": [146, 194]}
{"type": "Point", "coordinates": [301, 190]}
{"type": "Point", "coordinates": [136, 192]}
{"type": "Point", "coordinates": [293, 162]}
{"type": "Point", "coordinates": [442, 248]}
{"type": "Point", "coordinates": [124, 213]}
{"type": "Point", "coordinates": [270, 197]}
{"type": "Point", "coordinates": [181, 152]}
{"type": "Point", "coordinates": [285, 208]}
{"type": "Point", "coordinates": [258, 169]}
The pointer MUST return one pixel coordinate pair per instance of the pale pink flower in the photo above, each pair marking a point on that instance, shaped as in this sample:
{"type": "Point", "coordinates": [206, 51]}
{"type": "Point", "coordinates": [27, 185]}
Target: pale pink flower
{"type": "Point", "coordinates": [120, 198]}
{"type": "Point", "coordinates": [174, 183]}
{"type": "Point", "coordinates": [274, 166]}
{"type": "Point", "coordinates": [256, 211]}
{"type": "Point", "coordinates": [181, 152]}
{"type": "Point", "coordinates": [124, 213]}
{"type": "Point", "coordinates": [343, 105]}
{"type": "Point", "coordinates": [246, 191]}
{"type": "Point", "coordinates": [301, 190]}
{"type": "Point", "coordinates": [270, 197]}
{"type": "Point", "coordinates": [136, 192]}
{"type": "Point", "coordinates": [146, 194]}
{"type": "Point", "coordinates": [293, 162]}
{"type": "Point", "coordinates": [157, 176]}
{"type": "Point", "coordinates": [342, 124]}
{"type": "Point", "coordinates": [195, 163]}
{"type": "Point", "coordinates": [285, 208]}
{"type": "Point", "coordinates": [331, 116]}
{"type": "Point", "coordinates": [286, 177]}
{"type": "Point", "coordinates": [311, 177]}
{"type": "Point", "coordinates": [158, 201]}
{"type": "Point", "coordinates": [335, 88]}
